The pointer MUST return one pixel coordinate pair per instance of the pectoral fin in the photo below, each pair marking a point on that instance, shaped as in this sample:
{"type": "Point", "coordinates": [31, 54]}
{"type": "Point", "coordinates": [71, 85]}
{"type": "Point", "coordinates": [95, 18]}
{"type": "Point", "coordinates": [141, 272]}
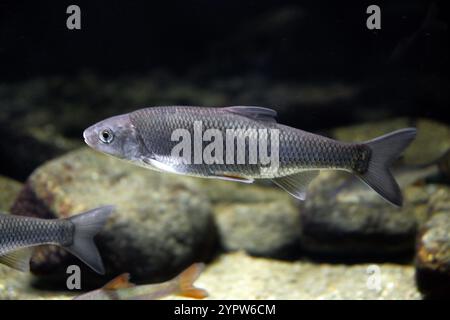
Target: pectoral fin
{"type": "Point", "coordinates": [160, 165]}
{"type": "Point", "coordinates": [297, 184]}
{"type": "Point", "coordinates": [19, 259]}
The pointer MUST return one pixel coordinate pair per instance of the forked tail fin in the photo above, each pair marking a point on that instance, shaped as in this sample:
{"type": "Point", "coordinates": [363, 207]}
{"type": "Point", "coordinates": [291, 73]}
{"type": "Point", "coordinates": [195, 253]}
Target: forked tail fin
{"type": "Point", "coordinates": [186, 281]}
{"type": "Point", "coordinates": [87, 225]}
{"type": "Point", "coordinates": [384, 151]}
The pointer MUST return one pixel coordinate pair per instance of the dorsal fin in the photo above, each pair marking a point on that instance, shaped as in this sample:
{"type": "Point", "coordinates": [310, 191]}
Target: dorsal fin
{"type": "Point", "coordinates": [256, 113]}
{"type": "Point", "coordinates": [119, 282]}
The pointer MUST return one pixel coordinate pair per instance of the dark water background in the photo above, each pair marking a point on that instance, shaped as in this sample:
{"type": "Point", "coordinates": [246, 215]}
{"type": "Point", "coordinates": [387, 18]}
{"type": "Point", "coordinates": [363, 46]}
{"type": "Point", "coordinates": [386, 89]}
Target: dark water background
{"type": "Point", "coordinates": [313, 61]}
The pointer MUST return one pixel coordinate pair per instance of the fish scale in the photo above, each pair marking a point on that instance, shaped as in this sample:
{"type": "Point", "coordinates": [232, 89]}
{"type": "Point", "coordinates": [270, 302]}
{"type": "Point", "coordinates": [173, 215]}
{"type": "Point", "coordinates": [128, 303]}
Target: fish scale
{"type": "Point", "coordinates": [19, 232]}
{"type": "Point", "coordinates": [299, 150]}
{"type": "Point", "coordinates": [144, 137]}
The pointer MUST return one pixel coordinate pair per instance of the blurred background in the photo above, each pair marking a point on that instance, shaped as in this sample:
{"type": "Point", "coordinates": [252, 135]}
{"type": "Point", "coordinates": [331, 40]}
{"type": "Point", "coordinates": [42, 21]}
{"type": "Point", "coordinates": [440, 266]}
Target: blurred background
{"type": "Point", "coordinates": [315, 62]}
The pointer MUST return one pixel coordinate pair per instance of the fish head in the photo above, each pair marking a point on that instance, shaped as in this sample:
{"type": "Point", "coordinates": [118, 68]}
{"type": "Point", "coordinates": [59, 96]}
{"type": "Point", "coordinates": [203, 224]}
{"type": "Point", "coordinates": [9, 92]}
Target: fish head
{"type": "Point", "coordinates": [115, 136]}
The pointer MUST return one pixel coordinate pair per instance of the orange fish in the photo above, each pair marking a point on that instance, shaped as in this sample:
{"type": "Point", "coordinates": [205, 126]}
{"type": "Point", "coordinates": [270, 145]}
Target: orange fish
{"type": "Point", "coordinates": [121, 289]}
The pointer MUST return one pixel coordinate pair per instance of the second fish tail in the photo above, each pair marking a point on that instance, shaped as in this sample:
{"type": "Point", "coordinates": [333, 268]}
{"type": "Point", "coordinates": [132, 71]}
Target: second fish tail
{"type": "Point", "coordinates": [185, 282]}
{"type": "Point", "coordinates": [86, 226]}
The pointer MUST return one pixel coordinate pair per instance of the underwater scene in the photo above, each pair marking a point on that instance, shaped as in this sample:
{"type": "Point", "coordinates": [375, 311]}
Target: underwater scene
{"type": "Point", "coordinates": [224, 150]}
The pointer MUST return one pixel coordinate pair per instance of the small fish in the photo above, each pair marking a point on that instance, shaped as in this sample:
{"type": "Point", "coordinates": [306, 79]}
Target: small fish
{"type": "Point", "coordinates": [121, 289]}
{"type": "Point", "coordinates": [18, 236]}
{"type": "Point", "coordinates": [145, 138]}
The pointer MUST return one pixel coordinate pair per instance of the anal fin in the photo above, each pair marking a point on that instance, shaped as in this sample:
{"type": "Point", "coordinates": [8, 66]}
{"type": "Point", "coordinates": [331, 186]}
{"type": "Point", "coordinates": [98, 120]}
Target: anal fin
{"type": "Point", "coordinates": [297, 184]}
{"type": "Point", "coordinates": [159, 165]}
{"type": "Point", "coordinates": [19, 259]}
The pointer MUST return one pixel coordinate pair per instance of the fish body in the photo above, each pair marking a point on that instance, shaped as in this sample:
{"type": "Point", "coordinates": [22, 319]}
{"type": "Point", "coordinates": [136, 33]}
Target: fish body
{"type": "Point", "coordinates": [121, 289]}
{"type": "Point", "coordinates": [252, 146]}
{"type": "Point", "coordinates": [298, 150]}
{"type": "Point", "coordinates": [19, 234]}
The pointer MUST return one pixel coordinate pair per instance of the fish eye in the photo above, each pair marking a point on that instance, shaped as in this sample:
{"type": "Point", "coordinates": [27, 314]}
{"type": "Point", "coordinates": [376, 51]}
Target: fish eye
{"type": "Point", "coordinates": [106, 136]}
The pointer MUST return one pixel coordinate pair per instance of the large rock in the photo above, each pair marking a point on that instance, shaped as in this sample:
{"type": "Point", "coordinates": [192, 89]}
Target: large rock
{"type": "Point", "coordinates": [239, 276]}
{"type": "Point", "coordinates": [9, 189]}
{"type": "Point", "coordinates": [360, 224]}
{"type": "Point", "coordinates": [163, 222]}
{"type": "Point", "coordinates": [265, 228]}
{"type": "Point", "coordinates": [259, 218]}
{"type": "Point", "coordinates": [433, 248]}
{"type": "Point", "coordinates": [16, 285]}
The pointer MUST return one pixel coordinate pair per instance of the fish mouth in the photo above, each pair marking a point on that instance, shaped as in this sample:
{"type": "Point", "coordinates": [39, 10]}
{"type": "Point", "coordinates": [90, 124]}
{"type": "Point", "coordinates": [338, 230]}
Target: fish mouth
{"type": "Point", "coordinates": [86, 137]}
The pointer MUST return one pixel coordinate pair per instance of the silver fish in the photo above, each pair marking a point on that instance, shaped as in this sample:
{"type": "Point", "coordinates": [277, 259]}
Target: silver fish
{"type": "Point", "coordinates": [19, 234]}
{"type": "Point", "coordinates": [146, 138]}
{"type": "Point", "coordinates": [121, 289]}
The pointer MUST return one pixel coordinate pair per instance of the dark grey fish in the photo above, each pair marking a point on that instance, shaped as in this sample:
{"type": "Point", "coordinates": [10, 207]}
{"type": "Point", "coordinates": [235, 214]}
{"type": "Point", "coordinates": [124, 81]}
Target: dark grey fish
{"type": "Point", "coordinates": [18, 236]}
{"type": "Point", "coordinates": [145, 138]}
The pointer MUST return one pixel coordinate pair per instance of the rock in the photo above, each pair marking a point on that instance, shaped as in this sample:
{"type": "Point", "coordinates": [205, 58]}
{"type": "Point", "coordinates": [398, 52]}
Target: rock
{"type": "Point", "coordinates": [9, 189]}
{"type": "Point", "coordinates": [162, 223]}
{"type": "Point", "coordinates": [433, 250]}
{"type": "Point", "coordinates": [432, 141]}
{"type": "Point", "coordinates": [15, 285]}
{"type": "Point", "coordinates": [360, 224]}
{"type": "Point", "coordinates": [262, 228]}
{"type": "Point", "coordinates": [259, 218]}
{"type": "Point", "coordinates": [440, 199]}
{"type": "Point", "coordinates": [239, 276]}
{"type": "Point", "coordinates": [226, 192]}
